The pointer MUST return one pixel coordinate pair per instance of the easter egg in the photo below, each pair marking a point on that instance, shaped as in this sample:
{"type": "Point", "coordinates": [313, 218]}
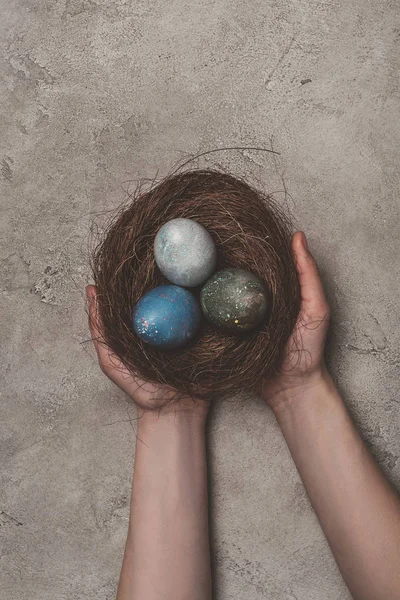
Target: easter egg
{"type": "Point", "coordinates": [184, 252]}
{"type": "Point", "coordinates": [234, 300]}
{"type": "Point", "coordinates": [167, 316]}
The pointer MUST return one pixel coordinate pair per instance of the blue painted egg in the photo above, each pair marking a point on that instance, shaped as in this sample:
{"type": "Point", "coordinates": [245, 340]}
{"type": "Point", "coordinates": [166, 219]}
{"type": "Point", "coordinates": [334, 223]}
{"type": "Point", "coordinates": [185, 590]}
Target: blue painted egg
{"type": "Point", "coordinates": [185, 252]}
{"type": "Point", "coordinates": [167, 316]}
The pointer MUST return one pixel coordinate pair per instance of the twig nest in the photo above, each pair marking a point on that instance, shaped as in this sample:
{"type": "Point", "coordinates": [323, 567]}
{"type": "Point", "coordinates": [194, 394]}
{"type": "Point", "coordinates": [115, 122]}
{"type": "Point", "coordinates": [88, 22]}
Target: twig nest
{"type": "Point", "coordinates": [250, 232]}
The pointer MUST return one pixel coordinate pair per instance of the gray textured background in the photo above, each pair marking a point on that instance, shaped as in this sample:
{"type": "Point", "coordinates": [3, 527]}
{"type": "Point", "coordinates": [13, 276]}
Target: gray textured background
{"type": "Point", "coordinates": [96, 93]}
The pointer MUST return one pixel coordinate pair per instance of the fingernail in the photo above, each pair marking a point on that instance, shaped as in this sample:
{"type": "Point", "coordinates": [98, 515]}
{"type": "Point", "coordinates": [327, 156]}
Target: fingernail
{"type": "Point", "coordinates": [305, 241]}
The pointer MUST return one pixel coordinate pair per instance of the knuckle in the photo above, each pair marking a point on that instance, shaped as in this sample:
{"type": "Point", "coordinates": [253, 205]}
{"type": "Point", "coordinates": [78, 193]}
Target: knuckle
{"type": "Point", "coordinates": [327, 309]}
{"type": "Point", "coordinates": [103, 368]}
{"type": "Point", "coordinates": [325, 312]}
{"type": "Point", "coordinates": [319, 313]}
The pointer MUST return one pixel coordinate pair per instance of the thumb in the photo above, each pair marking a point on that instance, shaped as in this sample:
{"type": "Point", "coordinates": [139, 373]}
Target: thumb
{"type": "Point", "coordinates": [312, 291]}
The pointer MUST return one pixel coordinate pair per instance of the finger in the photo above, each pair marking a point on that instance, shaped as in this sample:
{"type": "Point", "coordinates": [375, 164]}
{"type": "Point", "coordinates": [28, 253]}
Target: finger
{"type": "Point", "coordinates": [91, 295]}
{"type": "Point", "coordinates": [312, 291]}
{"type": "Point", "coordinates": [95, 326]}
{"type": "Point", "coordinates": [109, 363]}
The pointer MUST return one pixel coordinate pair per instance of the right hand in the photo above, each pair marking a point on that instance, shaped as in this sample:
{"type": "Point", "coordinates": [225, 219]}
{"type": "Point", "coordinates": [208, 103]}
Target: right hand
{"type": "Point", "coordinates": [303, 365]}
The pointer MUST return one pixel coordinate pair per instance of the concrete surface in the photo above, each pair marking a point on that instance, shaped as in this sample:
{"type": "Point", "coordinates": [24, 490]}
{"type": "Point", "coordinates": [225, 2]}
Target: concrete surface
{"type": "Point", "coordinates": [97, 93]}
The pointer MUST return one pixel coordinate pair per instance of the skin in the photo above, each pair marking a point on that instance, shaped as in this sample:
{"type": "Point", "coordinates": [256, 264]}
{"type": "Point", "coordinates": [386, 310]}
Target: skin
{"type": "Point", "coordinates": [167, 552]}
{"type": "Point", "coordinates": [167, 549]}
{"type": "Point", "coordinates": [358, 509]}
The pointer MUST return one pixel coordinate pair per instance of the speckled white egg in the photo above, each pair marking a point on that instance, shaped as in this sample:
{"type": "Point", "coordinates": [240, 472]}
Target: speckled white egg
{"type": "Point", "coordinates": [185, 252]}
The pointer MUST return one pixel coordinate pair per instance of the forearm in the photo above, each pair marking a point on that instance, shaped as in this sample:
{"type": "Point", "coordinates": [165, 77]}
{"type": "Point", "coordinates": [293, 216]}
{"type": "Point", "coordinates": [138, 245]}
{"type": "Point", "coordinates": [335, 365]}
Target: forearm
{"type": "Point", "coordinates": [358, 509]}
{"type": "Point", "coordinates": [167, 552]}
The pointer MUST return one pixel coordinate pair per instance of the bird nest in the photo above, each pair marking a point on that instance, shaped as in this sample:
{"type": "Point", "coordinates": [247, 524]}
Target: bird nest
{"type": "Point", "coordinates": [250, 231]}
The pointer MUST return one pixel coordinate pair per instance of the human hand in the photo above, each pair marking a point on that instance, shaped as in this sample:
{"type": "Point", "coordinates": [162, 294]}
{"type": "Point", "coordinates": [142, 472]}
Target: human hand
{"type": "Point", "coordinates": [147, 395]}
{"type": "Point", "coordinates": [303, 366]}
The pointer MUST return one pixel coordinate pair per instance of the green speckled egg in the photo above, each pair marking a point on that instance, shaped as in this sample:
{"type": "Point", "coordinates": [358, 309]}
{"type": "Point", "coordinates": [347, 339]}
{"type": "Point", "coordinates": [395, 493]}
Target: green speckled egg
{"type": "Point", "coordinates": [234, 300]}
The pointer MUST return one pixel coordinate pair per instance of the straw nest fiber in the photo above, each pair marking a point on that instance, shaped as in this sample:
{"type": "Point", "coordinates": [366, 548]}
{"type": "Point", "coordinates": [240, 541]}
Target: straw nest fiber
{"type": "Point", "coordinates": [250, 231]}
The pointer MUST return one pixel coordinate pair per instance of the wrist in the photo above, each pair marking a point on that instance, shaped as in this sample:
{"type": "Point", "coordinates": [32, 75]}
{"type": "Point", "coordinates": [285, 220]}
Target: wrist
{"type": "Point", "coordinates": [290, 400]}
{"type": "Point", "coordinates": [176, 415]}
